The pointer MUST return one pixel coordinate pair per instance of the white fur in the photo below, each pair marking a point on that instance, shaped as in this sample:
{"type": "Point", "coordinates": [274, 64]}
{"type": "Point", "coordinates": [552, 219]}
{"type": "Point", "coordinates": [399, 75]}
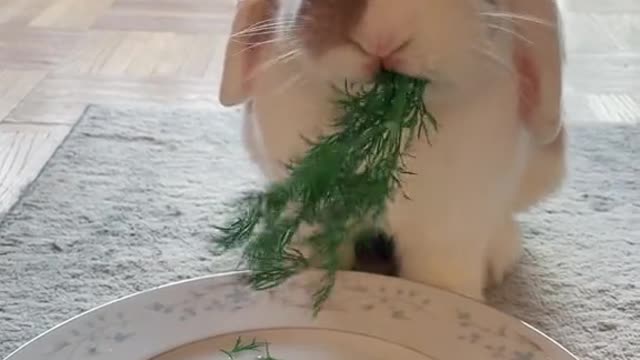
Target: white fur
{"type": "Point", "coordinates": [458, 230]}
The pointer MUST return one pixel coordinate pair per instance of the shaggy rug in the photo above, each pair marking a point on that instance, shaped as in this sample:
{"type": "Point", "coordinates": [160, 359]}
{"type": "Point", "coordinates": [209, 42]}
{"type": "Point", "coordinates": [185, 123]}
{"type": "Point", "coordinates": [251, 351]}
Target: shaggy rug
{"type": "Point", "coordinates": [128, 201]}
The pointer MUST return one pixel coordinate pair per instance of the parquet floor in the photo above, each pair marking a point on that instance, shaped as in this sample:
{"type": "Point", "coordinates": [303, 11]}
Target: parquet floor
{"type": "Point", "coordinates": [58, 56]}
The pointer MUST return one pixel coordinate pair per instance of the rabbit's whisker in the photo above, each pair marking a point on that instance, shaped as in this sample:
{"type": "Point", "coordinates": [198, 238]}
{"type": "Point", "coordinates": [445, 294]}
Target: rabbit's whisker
{"type": "Point", "coordinates": [510, 32]}
{"type": "Point", "coordinates": [252, 45]}
{"type": "Point", "coordinates": [514, 17]}
{"type": "Point", "coordinates": [494, 58]}
{"type": "Point", "coordinates": [266, 26]}
{"type": "Point", "coordinates": [280, 59]}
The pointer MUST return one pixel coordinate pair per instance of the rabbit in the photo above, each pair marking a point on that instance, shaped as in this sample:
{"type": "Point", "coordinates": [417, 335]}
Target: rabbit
{"type": "Point", "coordinates": [495, 70]}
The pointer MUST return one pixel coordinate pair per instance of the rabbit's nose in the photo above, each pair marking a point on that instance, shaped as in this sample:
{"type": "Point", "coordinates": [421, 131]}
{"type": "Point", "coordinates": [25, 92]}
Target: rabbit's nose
{"type": "Point", "coordinates": [382, 46]}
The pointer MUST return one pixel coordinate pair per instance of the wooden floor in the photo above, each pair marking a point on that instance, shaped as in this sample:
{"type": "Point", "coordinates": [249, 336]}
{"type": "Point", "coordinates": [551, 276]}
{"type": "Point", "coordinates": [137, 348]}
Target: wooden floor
{"type": "Point", "coordinates": [58, 56]}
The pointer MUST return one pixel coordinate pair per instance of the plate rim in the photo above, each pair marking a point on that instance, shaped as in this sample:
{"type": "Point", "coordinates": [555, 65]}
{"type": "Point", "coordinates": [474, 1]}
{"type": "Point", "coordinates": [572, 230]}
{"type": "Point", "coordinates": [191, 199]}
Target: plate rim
{"type": "Point", "coordinates": [241, 273]}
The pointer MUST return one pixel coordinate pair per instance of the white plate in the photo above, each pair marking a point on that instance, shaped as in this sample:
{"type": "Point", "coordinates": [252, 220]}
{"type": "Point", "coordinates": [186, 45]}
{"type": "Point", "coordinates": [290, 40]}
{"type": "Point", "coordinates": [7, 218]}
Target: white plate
{"type": "Point", "coordinates": [368, 317]}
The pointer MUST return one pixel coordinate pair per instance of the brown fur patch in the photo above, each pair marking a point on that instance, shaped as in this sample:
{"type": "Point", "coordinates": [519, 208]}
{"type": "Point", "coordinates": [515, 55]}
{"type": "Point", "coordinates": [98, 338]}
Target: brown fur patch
{"type": "Point", "coordinates": [328, 23]}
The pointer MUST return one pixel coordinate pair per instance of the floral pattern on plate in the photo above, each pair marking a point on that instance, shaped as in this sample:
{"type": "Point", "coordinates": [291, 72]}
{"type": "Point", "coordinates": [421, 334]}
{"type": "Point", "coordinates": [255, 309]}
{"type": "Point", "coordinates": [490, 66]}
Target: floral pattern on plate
{"type": "Point", "coordinates": [428, 320]}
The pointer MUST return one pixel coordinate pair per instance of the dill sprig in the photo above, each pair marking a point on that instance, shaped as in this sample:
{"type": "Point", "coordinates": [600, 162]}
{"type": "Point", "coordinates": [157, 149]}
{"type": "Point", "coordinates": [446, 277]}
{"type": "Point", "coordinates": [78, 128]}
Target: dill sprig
{"type": "Point", "coordinates": [343, 179]}
{"type": "Point", "coordinates": [253, 346]}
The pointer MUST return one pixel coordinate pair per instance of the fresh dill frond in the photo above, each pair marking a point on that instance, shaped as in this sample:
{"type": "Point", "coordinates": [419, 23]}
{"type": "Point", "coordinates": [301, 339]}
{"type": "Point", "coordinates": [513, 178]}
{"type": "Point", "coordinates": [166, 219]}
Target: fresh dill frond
{"type": "Point", "coordinates": [343, 179]}
{"type": "Point", "coordinates": [253, 346]}
{"type": "Point", "coordinates": [241, 347]}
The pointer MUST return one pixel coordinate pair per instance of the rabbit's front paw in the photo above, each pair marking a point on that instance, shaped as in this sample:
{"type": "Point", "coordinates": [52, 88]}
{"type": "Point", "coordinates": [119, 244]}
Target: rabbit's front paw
{"type": "Point", "coordinates": [455, 272]}
{"type": "Point", "coordinates": [504, 252]}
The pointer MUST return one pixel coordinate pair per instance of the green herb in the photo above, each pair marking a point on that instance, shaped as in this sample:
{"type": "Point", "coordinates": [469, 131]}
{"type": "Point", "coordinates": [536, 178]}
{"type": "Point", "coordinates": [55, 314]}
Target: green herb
{"type": "Point", "coordinates": [254, 346]}
{"type": "Point", "coordinates": [343, 179]}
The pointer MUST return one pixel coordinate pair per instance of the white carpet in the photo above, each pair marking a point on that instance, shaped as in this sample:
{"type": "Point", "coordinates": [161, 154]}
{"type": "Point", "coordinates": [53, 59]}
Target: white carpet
{"type": "Point", "coordinates": [127, 203]}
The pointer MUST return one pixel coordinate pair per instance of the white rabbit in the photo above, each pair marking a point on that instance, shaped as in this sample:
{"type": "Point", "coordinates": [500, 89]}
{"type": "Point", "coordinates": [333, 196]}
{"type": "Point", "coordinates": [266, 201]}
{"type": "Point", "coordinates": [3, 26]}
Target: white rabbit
{"type": "Point", "coordinates": [496, 72]}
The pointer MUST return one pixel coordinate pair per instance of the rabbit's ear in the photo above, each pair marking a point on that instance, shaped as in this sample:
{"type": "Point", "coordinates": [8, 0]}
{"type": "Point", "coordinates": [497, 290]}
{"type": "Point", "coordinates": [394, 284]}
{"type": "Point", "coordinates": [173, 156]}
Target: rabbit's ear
{"type": "Point", "coordinates": [242, 50]}
{"type": "Point", "coordinates": [538, 59]}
